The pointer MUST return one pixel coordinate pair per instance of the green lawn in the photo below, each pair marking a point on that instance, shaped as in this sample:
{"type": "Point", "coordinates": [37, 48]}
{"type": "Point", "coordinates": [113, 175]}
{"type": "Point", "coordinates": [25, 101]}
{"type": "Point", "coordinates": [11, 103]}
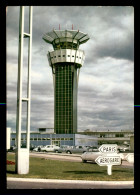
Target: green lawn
{"type": "Point", "coordinates": [55, 169]}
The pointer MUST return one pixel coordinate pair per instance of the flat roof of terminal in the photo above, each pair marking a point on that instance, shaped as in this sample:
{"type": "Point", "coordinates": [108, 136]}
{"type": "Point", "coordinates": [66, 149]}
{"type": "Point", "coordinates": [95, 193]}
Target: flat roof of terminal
{"type": "Point", "coordinates": [81, 132]}
{"type": "Point", "coordinates": [57, 34]}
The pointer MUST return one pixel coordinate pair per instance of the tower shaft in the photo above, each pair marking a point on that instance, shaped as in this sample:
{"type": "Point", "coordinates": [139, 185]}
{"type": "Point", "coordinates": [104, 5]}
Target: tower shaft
{"type": "Point", "coordinates": [65, 98]}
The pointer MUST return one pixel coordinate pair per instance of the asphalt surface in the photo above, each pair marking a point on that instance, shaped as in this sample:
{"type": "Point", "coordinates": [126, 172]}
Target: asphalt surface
{"type": "Point", "coordinates": [58, 156]}
{"type": "Point", "coordinates": [23, 183]}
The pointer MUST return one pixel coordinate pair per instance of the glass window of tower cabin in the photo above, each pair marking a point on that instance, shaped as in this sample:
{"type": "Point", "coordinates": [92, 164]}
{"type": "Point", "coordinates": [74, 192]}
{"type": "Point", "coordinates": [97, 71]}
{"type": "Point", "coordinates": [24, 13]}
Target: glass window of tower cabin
{"type": "Point", "coordinates": [65, 45]}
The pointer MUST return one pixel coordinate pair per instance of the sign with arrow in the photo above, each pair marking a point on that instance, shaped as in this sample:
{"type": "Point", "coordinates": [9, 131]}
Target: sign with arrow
{"type": "Point", "coordinates": [109, 157]}
{"type": "Point", "coordinates": [108, 148]}
{"type": "Point", "coordinates": [130, 157]}
{"type": "Point", "coordinates": [108, 160]}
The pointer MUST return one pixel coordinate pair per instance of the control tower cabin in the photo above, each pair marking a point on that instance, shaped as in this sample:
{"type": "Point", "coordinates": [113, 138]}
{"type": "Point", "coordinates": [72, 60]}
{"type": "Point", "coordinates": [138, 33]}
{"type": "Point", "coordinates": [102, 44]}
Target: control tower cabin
{"type": "Point", "coordinates": [65, 61]}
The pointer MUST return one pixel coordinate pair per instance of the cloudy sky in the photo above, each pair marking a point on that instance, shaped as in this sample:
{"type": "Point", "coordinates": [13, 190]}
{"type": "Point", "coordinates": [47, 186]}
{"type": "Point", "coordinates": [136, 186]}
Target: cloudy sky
{"type": "Point", "coordinates": [106, 81]}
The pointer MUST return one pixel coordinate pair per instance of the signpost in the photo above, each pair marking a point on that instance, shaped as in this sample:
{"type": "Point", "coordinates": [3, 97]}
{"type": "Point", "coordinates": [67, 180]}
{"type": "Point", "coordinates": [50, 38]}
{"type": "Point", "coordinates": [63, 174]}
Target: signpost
{"type": "Point", "coordinates": [108, 161]}
{"type": "Point", "coordinates": [109, 157]}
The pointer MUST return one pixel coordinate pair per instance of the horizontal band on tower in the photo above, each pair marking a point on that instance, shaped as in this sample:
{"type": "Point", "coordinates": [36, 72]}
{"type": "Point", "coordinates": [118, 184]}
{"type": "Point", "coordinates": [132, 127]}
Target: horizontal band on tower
{"type": "Point", "coordinates": [66, 55]}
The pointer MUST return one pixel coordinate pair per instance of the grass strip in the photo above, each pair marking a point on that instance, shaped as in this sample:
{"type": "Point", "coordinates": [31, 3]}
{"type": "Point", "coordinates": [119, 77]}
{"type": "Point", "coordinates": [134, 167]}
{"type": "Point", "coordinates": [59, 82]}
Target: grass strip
{"type": "Point", "coordinates": [55, 169]}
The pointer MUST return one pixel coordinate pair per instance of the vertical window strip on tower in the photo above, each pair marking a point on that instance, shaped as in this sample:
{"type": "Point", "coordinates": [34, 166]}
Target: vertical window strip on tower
{"type": "Point", "coordinates": [68, 72]}
{"type": "Point", "coordinates": [72, 78]}
{"type": "Point", "coordinates": [64, 98]}
{"type": "Point", "coordinates": [65, 76]}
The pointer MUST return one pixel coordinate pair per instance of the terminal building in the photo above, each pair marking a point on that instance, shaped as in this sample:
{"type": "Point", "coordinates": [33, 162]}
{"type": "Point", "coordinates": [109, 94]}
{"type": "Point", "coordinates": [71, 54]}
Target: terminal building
{"type": "Point", "coordinates": [85, 138]}
{"type": "Point", "coordinates": [43, 138]}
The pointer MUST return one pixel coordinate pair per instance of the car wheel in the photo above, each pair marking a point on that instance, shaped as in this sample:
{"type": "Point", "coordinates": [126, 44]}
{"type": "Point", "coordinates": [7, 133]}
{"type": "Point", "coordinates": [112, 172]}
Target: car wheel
{"type": "Point", "coordinates": [56, 151]}
{"type": "Point", "coordinates": [84, 161]}
{"type": "Point", "coordinates": [68, 152]}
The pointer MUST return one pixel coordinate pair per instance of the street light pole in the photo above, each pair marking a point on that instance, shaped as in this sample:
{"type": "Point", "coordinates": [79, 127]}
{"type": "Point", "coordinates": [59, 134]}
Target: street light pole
{"type": "Point", "coordinates": [22, 154]}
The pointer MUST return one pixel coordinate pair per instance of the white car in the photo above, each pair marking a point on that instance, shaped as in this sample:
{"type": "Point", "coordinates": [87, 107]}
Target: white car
{"type": "Point", "coordinates": [91, 156]}
{"type": "Point", "coordinates": [50, 148]}
{"type": "Point", "coordinates": [123, 148]}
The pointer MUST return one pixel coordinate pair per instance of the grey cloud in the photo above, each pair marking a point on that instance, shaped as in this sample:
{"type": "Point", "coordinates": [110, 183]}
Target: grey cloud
{"type": "Point", "coordinates": [120, 50]}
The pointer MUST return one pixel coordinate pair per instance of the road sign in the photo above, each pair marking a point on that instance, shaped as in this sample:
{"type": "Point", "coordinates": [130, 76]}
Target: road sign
{"type": "Point", "coordinates": [109, 157]}
{"type": "Point", "coordinates": [130, 157]}
{"type": "Point", "coordinates": [108, 148]}
{"type": "Point", "coordinates": [108, 160]}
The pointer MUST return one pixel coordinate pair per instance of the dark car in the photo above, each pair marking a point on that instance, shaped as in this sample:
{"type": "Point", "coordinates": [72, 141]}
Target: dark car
{"type": "Point", "coordinates": [12, 149]}
{"type": "Point", "coordinates": [32, 147]}
{"type": "Point", "coordinates": [38, 148]}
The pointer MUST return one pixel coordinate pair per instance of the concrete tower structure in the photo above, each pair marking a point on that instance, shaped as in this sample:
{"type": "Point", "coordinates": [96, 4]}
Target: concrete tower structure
{"type": "Point", "coordinates": [65, 61]}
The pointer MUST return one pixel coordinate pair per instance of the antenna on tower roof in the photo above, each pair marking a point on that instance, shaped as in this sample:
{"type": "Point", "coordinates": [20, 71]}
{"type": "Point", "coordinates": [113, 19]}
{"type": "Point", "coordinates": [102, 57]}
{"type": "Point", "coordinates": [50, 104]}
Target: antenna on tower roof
{"type": "Point", "coordinates": [59, 26]}
{"type": "Point", "coordinates": [72, 26]}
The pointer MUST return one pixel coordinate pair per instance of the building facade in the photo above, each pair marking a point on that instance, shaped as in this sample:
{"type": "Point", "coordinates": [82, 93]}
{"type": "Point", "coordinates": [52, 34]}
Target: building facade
{"type": "Point", "coordinates": [37, 138]}
{"type": "Point", "coordinates": [65, 61]}
{"type": "Point", "coordinates": [110, 136]}
{"type": "Point", "coordinates": [81, 138]}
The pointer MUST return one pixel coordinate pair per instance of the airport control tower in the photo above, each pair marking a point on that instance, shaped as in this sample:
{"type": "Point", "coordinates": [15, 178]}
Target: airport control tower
{"type": "Point", "coordinates": [65, 61]}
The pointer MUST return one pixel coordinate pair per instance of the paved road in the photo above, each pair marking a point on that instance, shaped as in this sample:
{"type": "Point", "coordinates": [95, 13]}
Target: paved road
{"type": "Point", "coordinates": [22, 183]}
{"type": "Point", "coordinates": [58, 156]}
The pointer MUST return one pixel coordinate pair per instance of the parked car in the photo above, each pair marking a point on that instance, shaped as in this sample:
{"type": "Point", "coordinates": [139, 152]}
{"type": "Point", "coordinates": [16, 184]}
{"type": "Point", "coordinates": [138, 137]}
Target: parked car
{"type": "Point", "coordinates": [63, 148]}
{"type": "Point", "coordinates": [123, 148]}
{"type": "Point", "coordinates": [91, 156]}
{"type": "Point", "coordinates": [32, 147]}
{"type": "Point", "coordinates": [50, 148]}
{"type": "Point", "coordinates": [38, 148]}
{"type": "Point", "coordinates": [93, 149]}
{"type": "Point", "coordinates": [24, 145]}
{"type": "Point", "coordinates": [12, 148]}
{"type": "Point", "coordinates": [76, 149]}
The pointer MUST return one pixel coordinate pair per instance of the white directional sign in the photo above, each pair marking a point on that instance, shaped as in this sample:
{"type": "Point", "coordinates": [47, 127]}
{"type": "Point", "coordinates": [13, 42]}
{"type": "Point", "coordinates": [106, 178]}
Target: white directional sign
{"type": "Point", "coordinates": [108, 148]}
{"type": "Point", "coordinates": [109, 157]}
{"type": "Point", "coordinates": [108, 160]}
{"type": "Point", "coordinates": [130, 157]}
